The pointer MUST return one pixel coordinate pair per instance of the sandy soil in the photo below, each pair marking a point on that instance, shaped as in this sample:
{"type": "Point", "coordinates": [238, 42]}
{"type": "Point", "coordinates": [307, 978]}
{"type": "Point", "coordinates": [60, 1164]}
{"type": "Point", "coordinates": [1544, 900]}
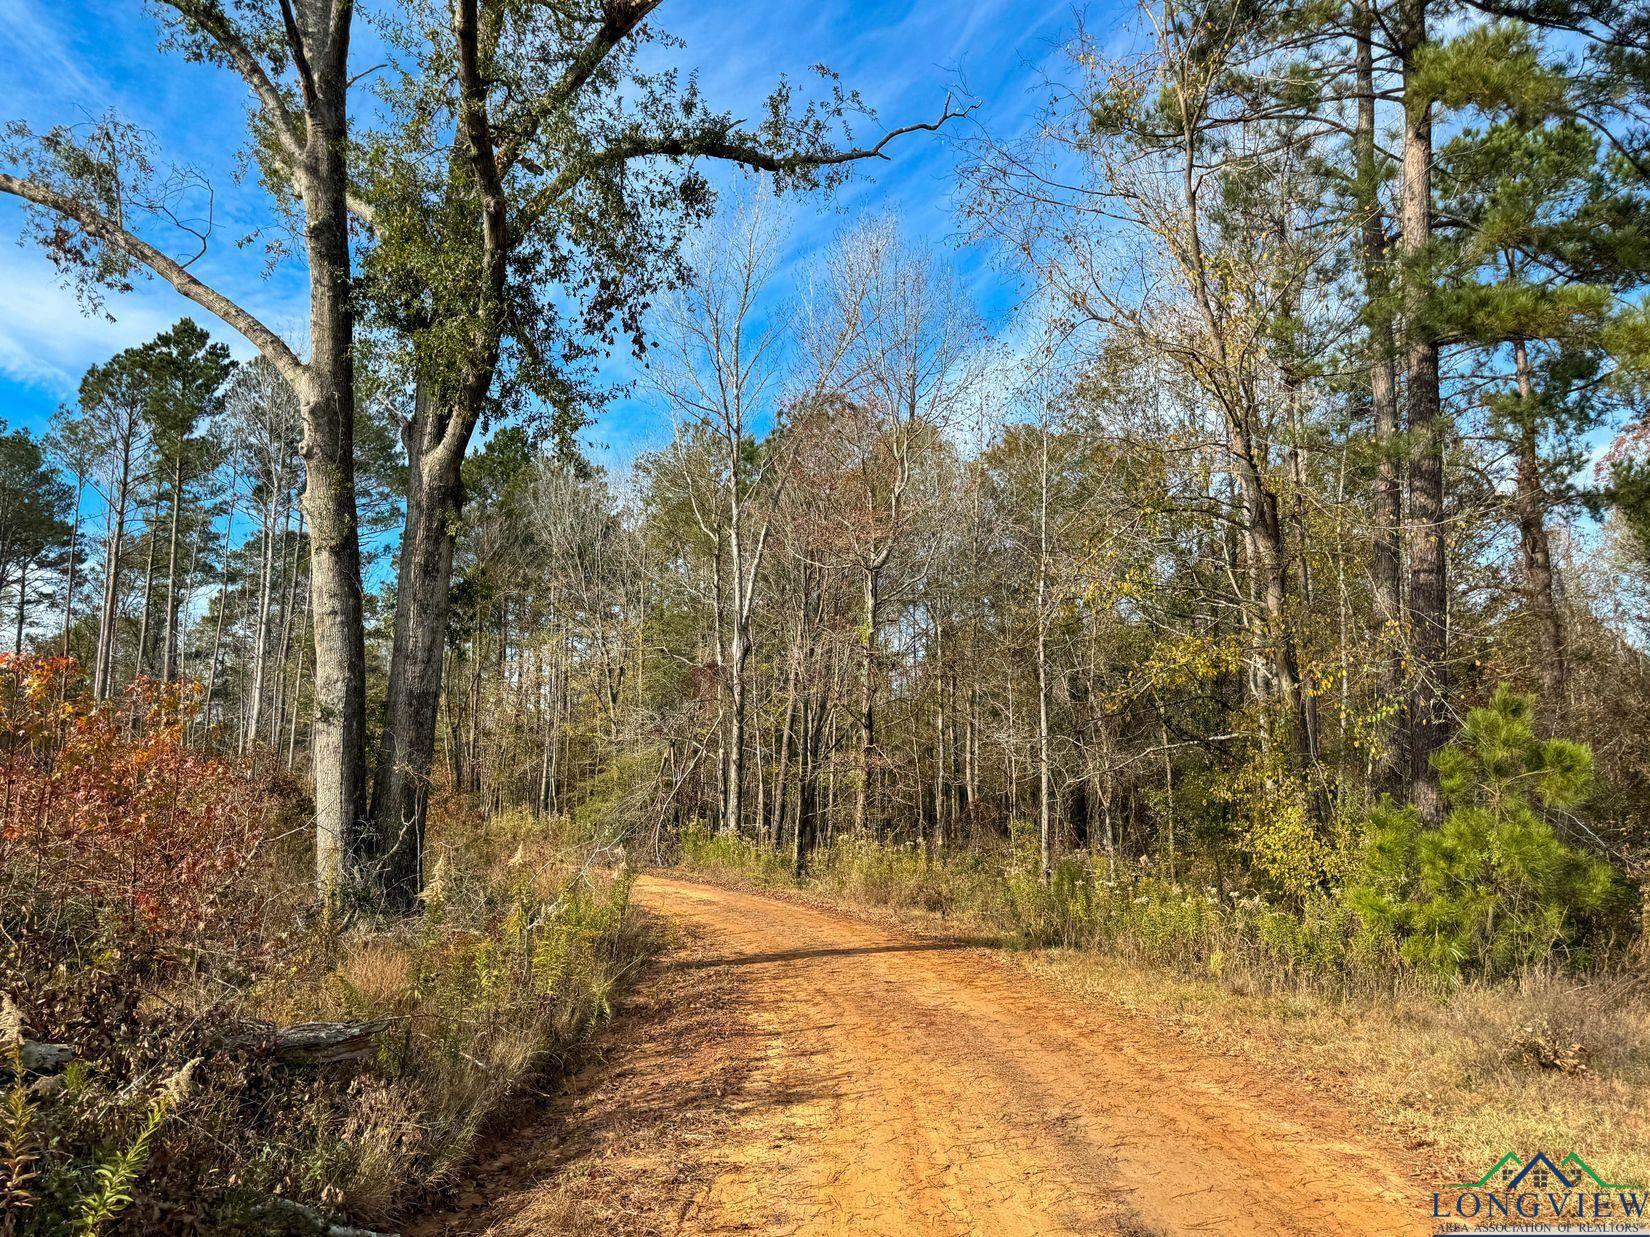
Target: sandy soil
{"type": "Point", "coordinates": [791, 1070]}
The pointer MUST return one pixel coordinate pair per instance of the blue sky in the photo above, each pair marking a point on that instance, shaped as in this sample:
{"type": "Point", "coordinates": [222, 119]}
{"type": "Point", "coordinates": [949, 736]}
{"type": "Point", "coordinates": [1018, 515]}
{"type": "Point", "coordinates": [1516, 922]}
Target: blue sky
{"type": "Point", "coordinates": [66, 61]}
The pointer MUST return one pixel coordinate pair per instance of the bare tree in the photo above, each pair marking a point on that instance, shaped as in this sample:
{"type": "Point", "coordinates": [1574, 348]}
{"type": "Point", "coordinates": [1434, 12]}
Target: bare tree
{"type": "Point", "coordinates": [721, 381]}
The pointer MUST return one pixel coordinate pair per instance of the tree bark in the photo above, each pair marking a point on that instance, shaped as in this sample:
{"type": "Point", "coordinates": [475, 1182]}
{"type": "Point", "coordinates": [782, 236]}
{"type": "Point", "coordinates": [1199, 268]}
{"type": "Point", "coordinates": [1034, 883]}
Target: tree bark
{"type": "Point", "coordinates": [169, 651]}
{"type": "Point", "coordinates": [1530, 501]}
{"type": "Point", "coordinates": [103, 673]}
{"type": "Point", "coordinates": [344, 863]}
{"type": "Point", "coordinates": [867, 704]}
{"type": "Point", "coordinates": [1386, 557]}
{"type": "Point", "coordinates": [74, 555]}
{"type": "Point", "coordinates": [148, 589]}
{"type": "Point", "coordinates": [1424, 532]}
{"type": "Point", "coordinates": [406, 748]}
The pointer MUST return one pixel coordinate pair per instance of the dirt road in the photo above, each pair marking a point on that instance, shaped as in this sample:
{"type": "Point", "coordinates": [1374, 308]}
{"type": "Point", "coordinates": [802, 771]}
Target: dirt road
{"type": "Point", "coordinates": [819, 1073]}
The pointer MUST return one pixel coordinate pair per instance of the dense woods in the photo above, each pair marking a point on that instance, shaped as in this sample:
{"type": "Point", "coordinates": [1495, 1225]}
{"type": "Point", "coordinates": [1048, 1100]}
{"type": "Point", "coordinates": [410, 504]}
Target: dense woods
{"type": "Point", "coordinates": [1279, 561]}
{"type": "Point", "coordinates": [1318, 423]}
{"type": "Point", "coordinates": [1296, 459]}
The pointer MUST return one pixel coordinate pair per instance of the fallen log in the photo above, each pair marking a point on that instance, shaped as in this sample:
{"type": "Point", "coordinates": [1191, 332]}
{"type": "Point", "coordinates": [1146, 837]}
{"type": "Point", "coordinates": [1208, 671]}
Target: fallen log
{"type": "Point", "coordinates": [322, 1227]}
{"type": "Point", "coordinates": [41, 1058]}
{"type": "Point", "coordinates": [311, 1043]}
{"type": "Point", "coordinates": [303, 1043]}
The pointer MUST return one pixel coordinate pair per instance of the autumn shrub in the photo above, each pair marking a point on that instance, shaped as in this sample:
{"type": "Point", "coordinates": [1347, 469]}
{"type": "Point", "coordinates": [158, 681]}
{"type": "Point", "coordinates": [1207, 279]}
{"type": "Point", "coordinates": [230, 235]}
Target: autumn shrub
{"type": "Point", "coordinates": [157, 920]}
{"type": "Point", "coordinates": [137, 895]}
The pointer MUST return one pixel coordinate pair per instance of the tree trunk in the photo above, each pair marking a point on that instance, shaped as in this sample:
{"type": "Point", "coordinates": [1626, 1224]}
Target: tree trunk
{"type": "Point", "coordinates": [1045, 782]}
{"type": "Point", "coordinates": [289, 568]}
{"type": "Point", "coordinates": [169, 650]}
{"type": "Point", "coordinates": [1428, 625]}
{"type": "Point", "coordinates": [406, 748]}
{"type": "Point", "coordinates": [260, 638]}
{"type": "Point", "coordinates": [787, 735]}
{"type": "Point", "coordinates": [1386, 552]}
{"type": "Point", "coordinates": [344, 863]}
{"type": "Point", "coordinates": [297, 698]}
{"type": "Point", "coordinates": [867, 704]}
{"type": "Point", "coordinates": [148, 590]}
{"type": "Point", "coordinates": [103, 674]}
{"type": "Point", "coordinates": [734, 800]}
{"type": "Point", "coordinates": [22, 606]}
{"type": "Point", "coordinates": [223, 603]}
{"type": "Point", "coordinates": [74, 554]}
{"type": "Point", "coordinates": [1530, 500]}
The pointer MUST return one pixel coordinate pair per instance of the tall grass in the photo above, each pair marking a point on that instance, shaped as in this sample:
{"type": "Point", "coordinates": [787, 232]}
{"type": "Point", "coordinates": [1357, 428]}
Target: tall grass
{"type": "Point", "coordinates": [1244, 940]}
{"type": "Point", "coordinates": [522, 943]}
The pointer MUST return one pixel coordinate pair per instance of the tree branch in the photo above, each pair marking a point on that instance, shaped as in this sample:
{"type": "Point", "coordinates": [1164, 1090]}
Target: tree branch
{"type": "Point", "coordinates": [100, 226]}
{"type": "Point", "coordinates": [211, 18]}
{"type": "Point", "coordinates": [729, 148]}
{"type": "Point", "coordinates": [618, 23]}
{"type": "Point", "coordinates": [721, 144]}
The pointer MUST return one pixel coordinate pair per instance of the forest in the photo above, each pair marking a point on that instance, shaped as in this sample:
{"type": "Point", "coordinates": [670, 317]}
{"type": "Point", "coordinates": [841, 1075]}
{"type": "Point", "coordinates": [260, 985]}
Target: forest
{"type": "Point", "coordinates": [1259, 601]}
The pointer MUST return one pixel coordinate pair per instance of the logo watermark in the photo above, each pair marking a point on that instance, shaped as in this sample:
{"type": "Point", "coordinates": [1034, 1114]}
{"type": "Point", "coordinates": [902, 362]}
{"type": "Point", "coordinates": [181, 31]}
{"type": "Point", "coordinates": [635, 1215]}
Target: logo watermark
{"type": "Point", "coordinates": [1540, 1196]}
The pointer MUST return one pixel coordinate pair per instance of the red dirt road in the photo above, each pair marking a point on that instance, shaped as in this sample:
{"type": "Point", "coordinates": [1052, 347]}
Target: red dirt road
{"type": "Point", "coordinates": [926, 1089]}
{"type": "Point", "coordinates": [810, 1072]}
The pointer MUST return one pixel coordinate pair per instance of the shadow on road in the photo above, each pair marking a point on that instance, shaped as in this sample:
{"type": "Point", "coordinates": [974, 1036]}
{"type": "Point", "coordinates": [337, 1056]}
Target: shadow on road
{"type": "Point", "coordinates": [852, 951]}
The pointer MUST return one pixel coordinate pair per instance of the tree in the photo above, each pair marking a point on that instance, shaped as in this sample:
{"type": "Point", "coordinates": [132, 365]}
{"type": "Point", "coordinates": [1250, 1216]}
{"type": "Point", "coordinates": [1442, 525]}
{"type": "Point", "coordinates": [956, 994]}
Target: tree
{"type": "Point", "coordinates": [1217, 196]}
{"type": "Point", "coordinates": [720, 379]}
{"type": "Point", "coordinates": [73, 445]}
{"type": "Point", "coordinates": [575, 177]}
{"type": "Point", "coordinates": [95, 199]}
{"type": "Point", "coordinates": [186, 375]}
{"type": "Point", "coordinates": [888, 340]}
{"type": "Point", "coordinates": [34, 527]}
{"type": "Point", "coordinates": [264, 421]}
{"type": "Point", "coordinates": [1492, 889]}
{"type": "Point", "coordinates": [114, 402]}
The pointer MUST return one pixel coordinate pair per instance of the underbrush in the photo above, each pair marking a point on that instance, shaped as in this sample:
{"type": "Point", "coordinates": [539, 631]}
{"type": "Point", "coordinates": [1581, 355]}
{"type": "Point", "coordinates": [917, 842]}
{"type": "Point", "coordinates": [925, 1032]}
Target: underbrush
{"type": "Point", "coordinates": [1490, 892]}
{"type": "Point", "coordinates": [158, 926]}
{"type": "Point", "coordinates": [1242, 940]}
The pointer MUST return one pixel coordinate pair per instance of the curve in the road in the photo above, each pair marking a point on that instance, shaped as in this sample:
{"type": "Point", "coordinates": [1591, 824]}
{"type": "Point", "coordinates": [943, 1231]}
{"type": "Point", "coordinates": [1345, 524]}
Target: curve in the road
{"type": "Point", "coordinates": [904, 1085]}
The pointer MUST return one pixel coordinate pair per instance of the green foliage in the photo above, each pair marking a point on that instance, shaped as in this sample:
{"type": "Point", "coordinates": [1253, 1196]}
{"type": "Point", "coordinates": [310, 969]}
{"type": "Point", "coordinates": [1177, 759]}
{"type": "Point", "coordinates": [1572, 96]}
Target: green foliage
{"type": "Point", "coordinates": [1492, 890]}
{"type": "Point", "coordinates": [1494, 67]}
{"type": "Point", "coordinates": [1290, 852]}
{"type": "Point", "coordinates": [117, 1173]}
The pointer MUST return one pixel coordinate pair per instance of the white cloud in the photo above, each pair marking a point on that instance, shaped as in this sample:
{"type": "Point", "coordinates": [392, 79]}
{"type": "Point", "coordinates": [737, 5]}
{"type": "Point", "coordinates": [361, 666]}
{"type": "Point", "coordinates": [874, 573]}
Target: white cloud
{"type": "Point", "coordinates": [47, 341]}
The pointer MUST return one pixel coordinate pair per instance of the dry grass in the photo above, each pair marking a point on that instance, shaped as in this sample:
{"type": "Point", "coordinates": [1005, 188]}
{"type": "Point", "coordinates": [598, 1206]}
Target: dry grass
{"type": "Point", "coordinates": [1550, 1063]}
{"type": "Point", "coordinates": [516, 957]}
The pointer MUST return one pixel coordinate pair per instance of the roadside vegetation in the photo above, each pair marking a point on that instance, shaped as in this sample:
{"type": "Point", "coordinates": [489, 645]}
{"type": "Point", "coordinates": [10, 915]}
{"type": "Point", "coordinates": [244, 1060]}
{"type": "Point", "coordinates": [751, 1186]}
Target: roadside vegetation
{"type": "Point", "coordinates": [1471, 989]}
{"type": "Point", "coordinates": [161, 940]}
{"type": "Point", "coordinates": [1227, 566]}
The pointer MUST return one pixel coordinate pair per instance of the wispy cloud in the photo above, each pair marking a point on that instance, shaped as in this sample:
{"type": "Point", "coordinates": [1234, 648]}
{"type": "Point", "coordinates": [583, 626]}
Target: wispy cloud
{"type": "Point", "coordinates": [47, 341]}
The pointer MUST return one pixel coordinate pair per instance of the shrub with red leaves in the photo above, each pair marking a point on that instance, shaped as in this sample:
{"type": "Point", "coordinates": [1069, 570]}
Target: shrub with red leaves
{"type": "Point", "coordinates": [105, 801]}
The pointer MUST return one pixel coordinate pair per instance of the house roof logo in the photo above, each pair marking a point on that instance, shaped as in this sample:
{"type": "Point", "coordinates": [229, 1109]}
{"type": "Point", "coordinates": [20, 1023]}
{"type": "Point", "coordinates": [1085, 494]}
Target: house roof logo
{"type": "Point", "coordinates": [1539, 1173]}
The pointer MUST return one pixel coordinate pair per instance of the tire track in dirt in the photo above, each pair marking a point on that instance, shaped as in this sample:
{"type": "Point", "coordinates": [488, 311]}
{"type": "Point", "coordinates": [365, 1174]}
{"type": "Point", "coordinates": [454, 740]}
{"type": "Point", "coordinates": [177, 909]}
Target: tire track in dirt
{"type": "Point", "coordinates": [872, 1081]}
